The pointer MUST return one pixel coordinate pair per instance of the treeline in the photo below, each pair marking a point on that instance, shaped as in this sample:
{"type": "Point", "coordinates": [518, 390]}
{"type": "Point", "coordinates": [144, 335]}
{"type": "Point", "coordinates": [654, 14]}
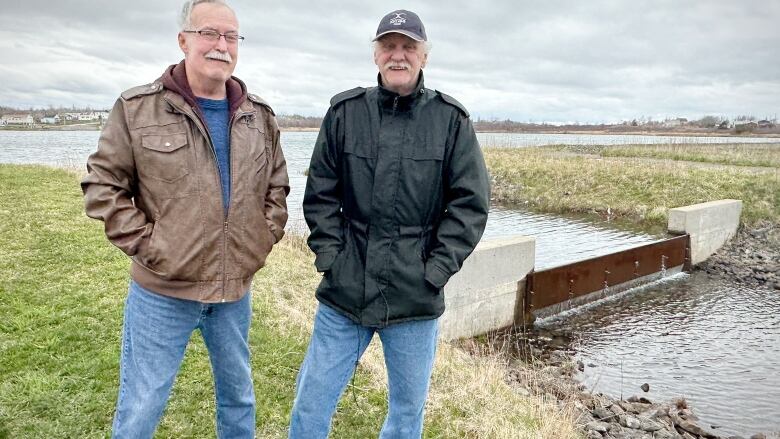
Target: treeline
{"type": "Point", "coordinates": [296, 121]}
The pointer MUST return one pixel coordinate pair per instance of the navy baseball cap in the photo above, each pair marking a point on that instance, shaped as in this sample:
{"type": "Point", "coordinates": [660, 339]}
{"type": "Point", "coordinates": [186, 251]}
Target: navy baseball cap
{"type": "Point", "coordinates": [402, 22]}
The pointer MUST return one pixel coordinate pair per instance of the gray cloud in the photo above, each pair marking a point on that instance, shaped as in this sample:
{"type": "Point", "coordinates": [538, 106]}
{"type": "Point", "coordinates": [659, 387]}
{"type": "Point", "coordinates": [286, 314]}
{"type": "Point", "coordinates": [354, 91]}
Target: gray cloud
{"type": "Point", "coordinates": [601, 60]}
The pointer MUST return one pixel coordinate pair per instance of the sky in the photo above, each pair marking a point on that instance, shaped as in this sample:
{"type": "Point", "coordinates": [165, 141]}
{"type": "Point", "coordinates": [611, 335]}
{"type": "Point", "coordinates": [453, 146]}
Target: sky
{"type": "Point", "coordinates": [568, 61]}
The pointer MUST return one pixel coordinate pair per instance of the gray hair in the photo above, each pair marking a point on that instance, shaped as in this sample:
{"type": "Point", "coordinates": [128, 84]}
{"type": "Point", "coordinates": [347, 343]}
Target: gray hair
{"type": "Point", "coordinates": [185, 19]}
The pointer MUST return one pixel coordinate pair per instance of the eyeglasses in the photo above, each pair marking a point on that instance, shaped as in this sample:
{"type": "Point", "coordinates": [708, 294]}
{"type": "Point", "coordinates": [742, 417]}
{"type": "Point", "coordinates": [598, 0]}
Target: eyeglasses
{"type": "Point", "coordinates": [212, 36]}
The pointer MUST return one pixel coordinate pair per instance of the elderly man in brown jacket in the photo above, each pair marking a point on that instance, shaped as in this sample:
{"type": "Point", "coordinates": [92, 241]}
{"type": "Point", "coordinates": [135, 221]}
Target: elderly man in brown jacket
{"type": "Point", "coordinates": [190, 181]}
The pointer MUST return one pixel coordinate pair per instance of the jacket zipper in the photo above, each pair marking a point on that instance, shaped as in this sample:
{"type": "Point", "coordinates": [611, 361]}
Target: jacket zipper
{"type": "Point", "coordinates": [225, 213]}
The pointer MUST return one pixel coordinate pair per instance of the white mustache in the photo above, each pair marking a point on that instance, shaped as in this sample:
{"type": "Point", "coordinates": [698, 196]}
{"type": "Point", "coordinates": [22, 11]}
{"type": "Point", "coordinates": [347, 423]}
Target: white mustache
{"type": "Point", "coordinates": [402, 64]}
{"type": "Point", "coordinates": [219, 56]}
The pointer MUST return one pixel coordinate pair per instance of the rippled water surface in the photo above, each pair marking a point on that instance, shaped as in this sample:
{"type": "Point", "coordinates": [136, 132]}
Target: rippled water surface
{"type": "Point", "coordinates": [715, 344]}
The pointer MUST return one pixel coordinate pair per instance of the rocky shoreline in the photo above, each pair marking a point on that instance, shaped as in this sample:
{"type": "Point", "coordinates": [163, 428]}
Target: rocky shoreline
{"type": "Point", "coordinates": [751, 258]}
{"type": "Point", "coordinates": [603, 417]}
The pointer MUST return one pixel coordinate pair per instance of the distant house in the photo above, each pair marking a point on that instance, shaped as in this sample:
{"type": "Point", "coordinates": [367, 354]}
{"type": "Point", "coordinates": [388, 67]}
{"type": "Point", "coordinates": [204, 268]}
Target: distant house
{"type": "Point", "coordinates": [18, 119]}
{"type": "Point", "coordinates": [671, 123]}
{"type": "Point", "coordinates": [88, 117]}
{"type": "Point", "coordinates": [724, 125]}
{"type": "Point", "coordinates": [3, 122]}
{"type": "Point", "coordinates": [102, 115]}
{"type": "Point", "coordinates": [765, 124]}
{"type": "Point", "coordinates": [51, 120]}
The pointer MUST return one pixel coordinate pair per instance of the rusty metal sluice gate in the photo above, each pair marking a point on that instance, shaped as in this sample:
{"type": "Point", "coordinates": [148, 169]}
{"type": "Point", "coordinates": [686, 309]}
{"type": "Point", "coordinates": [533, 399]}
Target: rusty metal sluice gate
{"type": "Point", "coordinates": [554, 290]}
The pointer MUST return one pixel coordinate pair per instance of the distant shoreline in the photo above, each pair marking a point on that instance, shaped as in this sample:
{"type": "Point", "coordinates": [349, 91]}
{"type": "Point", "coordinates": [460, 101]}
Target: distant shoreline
{"type": "Point", "coordinates": [671, 133]}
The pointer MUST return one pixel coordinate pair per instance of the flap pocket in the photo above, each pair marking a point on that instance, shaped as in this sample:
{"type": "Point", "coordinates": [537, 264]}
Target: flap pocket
{"type": "Point", "coordinates": [164, 142]}
{"type": "Point", "coordinates": [359, 149]}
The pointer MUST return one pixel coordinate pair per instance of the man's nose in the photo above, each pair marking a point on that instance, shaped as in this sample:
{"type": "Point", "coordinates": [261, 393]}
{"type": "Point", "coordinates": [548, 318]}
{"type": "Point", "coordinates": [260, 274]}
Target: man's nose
{"type": "Point", "coordinates": [222, 44]}
{"type": "Point", "coordinates": [397, 54]}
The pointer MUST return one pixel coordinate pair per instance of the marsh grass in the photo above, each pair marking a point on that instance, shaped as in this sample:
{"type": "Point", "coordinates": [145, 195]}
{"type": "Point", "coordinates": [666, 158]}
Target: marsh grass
{"type": "Point", "coordinates": [745, 154]}
{"type": "Point", "coordinates": [62, 287]}
{"type": "Point", "coordinates": [549, 180]}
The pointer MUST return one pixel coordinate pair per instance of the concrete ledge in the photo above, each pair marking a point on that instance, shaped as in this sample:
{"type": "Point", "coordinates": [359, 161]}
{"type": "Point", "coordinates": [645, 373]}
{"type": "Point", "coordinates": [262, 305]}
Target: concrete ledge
{"type": "Point", "coordinates": [710, 225]}
{"type": "Point", "coordinates": [483, 295]}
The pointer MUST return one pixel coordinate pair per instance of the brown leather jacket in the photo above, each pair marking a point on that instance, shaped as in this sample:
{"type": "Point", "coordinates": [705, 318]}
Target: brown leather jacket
{"type": "Point", "coordinates": [154, 182]}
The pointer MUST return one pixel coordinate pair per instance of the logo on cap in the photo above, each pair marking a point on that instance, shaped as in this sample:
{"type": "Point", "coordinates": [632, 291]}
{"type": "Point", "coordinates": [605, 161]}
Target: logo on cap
{"type": "Point", "coordinates": [398, 19]}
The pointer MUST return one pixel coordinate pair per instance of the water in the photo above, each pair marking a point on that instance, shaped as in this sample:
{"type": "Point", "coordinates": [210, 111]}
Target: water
{"type": "Point", "coordinates": [524, 139]}
{"type": "Point", "coordinates": [716, 344]}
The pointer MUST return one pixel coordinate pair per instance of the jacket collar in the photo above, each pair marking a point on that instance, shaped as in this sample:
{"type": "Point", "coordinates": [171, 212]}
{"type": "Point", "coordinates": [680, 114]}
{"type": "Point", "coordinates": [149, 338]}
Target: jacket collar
{"type": "Point", "coordinates": [175, 79]}
{"type": "Point", "coordinates": [389, 99]}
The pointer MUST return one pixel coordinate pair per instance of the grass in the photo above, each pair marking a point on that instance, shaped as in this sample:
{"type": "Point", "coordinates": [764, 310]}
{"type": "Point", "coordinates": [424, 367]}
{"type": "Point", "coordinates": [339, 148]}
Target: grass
{"type": "Point", "coordinates": [551, 179]}
{"type": "Point", "coordinates": [745, 154]}
{"type": "Point", "coordinates": [62, 287]}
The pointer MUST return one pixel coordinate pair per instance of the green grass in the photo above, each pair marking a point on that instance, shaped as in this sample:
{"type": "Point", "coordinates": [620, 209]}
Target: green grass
{"type": "Point", "coordinates": [62, 287]}
{"type": "Point", "coordinates": [549, 180]}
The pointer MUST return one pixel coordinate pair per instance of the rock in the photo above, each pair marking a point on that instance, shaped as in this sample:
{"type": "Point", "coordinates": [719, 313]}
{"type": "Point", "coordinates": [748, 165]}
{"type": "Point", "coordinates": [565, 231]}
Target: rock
{"type": "Point", "coordinates": [602, 414]}
{"type": "Point", "coordinates": [645, 387]}
{"type": "Point", "coordinates": [617, 409]}
{"type": "Point", "coordinates": [629, 421]}
{"type": "Point", "coordinates": [593, 434]}
{"type": "Point", "coordinates": [649, 425]}
{"type": "Point", "coordinates": [758, 436]}
{"type": "Point", "coordinates": [665, 434]}
{"type": "Point", "coordinates": [598, 426]}
{"type": "Point", "coordinates": [580, 366]}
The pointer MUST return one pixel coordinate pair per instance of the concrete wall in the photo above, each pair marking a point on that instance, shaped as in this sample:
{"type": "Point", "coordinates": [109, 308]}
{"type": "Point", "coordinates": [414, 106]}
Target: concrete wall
{"type": "Point", "coordinates": [710, 225]}
{"type": "Point", "coordinates": [483, 295]}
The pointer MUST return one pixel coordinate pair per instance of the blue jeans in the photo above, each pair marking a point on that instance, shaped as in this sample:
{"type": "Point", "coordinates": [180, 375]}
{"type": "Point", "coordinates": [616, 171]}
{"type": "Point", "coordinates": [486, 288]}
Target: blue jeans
{"type": "Point", "coordinates": [336, 345]}
{"type": "Point", "coordinates": [155, 334]}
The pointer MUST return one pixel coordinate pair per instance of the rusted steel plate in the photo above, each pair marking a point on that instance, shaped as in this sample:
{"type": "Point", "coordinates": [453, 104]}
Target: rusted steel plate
{"type": "Point", "coordinates": [559, 284]}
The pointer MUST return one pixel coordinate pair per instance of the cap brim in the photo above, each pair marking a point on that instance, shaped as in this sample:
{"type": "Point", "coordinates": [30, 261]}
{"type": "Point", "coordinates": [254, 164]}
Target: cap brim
{"type": "Point", "coordinates": [411, 35]}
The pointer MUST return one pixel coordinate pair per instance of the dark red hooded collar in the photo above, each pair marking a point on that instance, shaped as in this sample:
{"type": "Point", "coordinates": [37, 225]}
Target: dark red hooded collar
{"type": "Point", "coordinates": [175, 79]}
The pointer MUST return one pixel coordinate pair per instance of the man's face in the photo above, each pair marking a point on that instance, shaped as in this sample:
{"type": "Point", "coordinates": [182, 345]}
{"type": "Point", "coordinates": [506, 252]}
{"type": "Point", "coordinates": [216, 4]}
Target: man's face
{"type": "Point", "coordinates": [400, 60]}
{"type": "Point", "coordinates": [210, 61]}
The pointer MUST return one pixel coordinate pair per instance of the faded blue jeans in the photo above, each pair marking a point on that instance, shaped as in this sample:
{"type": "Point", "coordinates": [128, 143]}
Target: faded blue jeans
{"type": "Point", "coordinates": [155, 334]}
{"type": "Point", "coordinates": [336, 345]}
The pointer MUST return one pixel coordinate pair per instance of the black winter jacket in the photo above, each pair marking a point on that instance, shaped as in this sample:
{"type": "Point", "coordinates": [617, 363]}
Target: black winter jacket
{"type": "Point", "coordinates": [396, 198]}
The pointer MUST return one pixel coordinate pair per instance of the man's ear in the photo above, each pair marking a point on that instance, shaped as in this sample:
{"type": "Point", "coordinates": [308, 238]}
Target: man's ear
{"type": "Point", "coordinates": [424, 61]}
{"type": "Point", "coordinates": [183, 43]}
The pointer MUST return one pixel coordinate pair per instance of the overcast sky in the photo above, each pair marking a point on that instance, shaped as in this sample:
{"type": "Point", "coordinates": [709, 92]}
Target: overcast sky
{"type": "Point", "coordinates": [554, 61]}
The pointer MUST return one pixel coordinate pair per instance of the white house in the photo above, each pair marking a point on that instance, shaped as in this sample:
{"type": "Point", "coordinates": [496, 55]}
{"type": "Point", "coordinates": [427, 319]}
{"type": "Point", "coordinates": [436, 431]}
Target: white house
{"type": "Point", "coordinates": [51, 120]}
{"type": "Point", "coordinates": [18, 119]}
{"type": "Point", "coordinates": [88, 117]}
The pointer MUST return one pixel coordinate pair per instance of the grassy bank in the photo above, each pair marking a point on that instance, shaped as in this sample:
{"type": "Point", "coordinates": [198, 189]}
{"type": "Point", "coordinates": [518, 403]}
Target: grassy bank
{"type": "Point", "coordinates": [745, 154]}
{"type": "Point", "coordinates": [560, 180]}
{"type": "Point", "coordinates": [62, 288]}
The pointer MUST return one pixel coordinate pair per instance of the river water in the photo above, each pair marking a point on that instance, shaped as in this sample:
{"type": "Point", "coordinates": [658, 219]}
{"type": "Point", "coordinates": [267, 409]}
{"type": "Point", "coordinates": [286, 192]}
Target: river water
{"type": "Point", "coordinates": [714, 343]}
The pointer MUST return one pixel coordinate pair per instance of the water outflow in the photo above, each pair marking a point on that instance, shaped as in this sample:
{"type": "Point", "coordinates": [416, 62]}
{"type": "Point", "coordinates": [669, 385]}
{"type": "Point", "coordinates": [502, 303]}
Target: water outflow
{"type": "Point", "coordinates": [717, 344]}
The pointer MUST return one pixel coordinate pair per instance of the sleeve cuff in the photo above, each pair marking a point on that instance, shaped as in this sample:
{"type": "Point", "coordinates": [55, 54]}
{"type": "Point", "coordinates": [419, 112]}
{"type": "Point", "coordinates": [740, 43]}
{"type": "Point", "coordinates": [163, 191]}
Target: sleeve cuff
{"type": "Point", "coordinates": [435, 275]}
{"type": "Point", "coordinates": [324, 260]}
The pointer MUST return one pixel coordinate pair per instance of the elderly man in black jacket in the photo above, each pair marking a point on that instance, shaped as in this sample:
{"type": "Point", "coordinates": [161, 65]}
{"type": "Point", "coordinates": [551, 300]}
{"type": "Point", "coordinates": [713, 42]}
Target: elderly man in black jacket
{"type": "Point", "coordinates": [397, 197]}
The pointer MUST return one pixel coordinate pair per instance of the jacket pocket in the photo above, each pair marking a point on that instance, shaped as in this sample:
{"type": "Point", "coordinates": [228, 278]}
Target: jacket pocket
{"type": "Point", "coordinates": [420, 182]}
{"type": "Point", "coordinates": [164, 156]}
